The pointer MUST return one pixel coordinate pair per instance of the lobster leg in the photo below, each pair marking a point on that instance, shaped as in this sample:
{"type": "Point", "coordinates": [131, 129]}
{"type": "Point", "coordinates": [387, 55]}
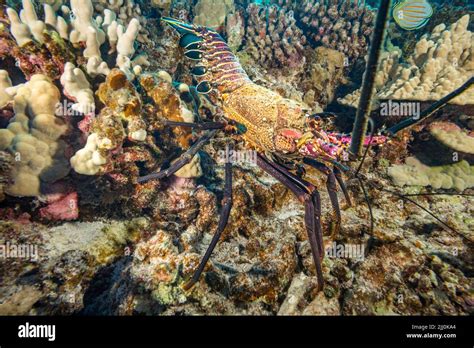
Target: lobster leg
{"type": "Point", "coordinates": [332, 191]}
{"type": "Point", "coordinates": [224, 217]}
{"type": "Point", "coordinates": [309, 196]}
{"type": "Point", "coordinates": [316, 199]}
{"type": "Point", "coordinates": [182, 161]}
{"type": "Point", "coordinates": [340, 180]}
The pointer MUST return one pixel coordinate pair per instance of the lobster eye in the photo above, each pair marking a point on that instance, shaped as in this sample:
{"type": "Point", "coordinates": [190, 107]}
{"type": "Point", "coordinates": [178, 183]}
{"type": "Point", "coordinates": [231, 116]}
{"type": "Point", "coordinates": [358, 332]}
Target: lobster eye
{"type": "Point", "coordinates": [315, 117]}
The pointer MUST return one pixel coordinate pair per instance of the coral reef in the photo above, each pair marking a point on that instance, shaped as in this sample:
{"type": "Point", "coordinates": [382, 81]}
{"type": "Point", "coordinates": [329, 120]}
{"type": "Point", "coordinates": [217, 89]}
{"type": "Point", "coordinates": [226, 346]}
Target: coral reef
{"type": "Point", "coordinates": [235, 29]}
{"type": "Point", "coordinates": [325, 73]}
{"type": "Point", "coordinates": [219, 9]}
{"type": "Point", "coordinates": [452, 136]}
{"type": "Point", "coordinates": [82, 30]}
{"type": "Point", "coordinates": [442, 61]}
{"type": "Point", "coordinates": [64, 261]}
{"type": "Point", "coordinates": [77, 88]}
{"type": "Point", "coordinates": [443, 12]}
{"type": "Point", "coordinates": [273, 38]}
{"type": "Point", "coordinates": [262, 266]}
{"type": "Point", "coordinates": [458, 176]}
{"type": "Point", "coordinates": [345, 26]}
{"type": "Point", "coordinates": [46, 56]}
{"type": "Point", "coordinates": [6, 164]}
{"type": "Point", "coordinates": [107, 132]}
{"type": "Point", "coordinates": [79, 92]}
{"type": "Point", "coordinates": [125, 11]}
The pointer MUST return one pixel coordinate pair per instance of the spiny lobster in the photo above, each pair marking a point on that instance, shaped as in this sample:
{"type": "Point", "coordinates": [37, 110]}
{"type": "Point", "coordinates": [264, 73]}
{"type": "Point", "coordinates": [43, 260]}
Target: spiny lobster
{"type": "Point", "coordinates": [284, 135]}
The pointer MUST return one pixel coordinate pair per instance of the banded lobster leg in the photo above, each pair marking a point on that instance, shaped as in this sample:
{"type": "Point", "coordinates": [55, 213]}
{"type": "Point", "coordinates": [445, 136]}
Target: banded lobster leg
{"type": "Point", "coordinates": [340, 180]}
{"type": "Point", "coordinates": [184, 159]}
{"type": "Point", "coordinates": [332, 191]}
{"type": "Point", "coordinates": [223, 219]}
{"type": "Point", "coordinates": [309, 196]}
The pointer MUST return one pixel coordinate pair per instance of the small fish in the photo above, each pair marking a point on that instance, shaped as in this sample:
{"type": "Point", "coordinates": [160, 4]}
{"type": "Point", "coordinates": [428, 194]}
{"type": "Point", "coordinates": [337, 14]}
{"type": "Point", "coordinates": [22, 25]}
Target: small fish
{"type": "Point", "coordinates": [412, 14]}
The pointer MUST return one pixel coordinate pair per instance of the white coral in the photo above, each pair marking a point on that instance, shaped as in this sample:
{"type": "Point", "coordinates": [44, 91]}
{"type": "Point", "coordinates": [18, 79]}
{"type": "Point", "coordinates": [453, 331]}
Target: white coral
{"type": "Point", "coordinates": [442, 61]}
{"type": "Point", "coordinates": [33, 137]}
{"type": "Point", "coordinates": [78, 88]}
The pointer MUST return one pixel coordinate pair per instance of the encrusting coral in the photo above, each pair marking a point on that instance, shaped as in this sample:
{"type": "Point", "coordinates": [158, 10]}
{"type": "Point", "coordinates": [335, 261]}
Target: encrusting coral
{"type": "Point", "coordinates": [219, 10]}
{"type": "Point", "coordinates": [458, 176]}
{"type": "Point", "coordinates": [453, 136]}
{"type": "Point", "coordinates": [107, 132]}
{"type": "Point", "coordinates": [441, 62]}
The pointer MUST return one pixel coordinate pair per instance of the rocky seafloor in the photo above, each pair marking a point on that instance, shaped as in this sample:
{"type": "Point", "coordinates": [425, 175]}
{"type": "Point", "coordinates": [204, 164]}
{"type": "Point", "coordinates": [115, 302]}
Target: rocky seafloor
{"type": "Point", "coordinates": [262, 266]}
{"type": "Point", "coordinates": [97, 242]}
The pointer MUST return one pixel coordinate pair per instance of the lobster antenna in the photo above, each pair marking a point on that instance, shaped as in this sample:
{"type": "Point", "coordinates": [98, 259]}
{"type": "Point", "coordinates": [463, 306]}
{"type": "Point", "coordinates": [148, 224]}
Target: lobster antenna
{"type": "Point", "coordinates": [369, 205]}
{"type": "Point", "coordinates": [367, 149]}
{"type": "Point", "coordinates": [438, 194]}
{"type": "Point", "coordinates": [430, 110]}
{"type": "Point", "coordinates": [367, 91]}
{"type": "Point", "coordinates": [405, 197]}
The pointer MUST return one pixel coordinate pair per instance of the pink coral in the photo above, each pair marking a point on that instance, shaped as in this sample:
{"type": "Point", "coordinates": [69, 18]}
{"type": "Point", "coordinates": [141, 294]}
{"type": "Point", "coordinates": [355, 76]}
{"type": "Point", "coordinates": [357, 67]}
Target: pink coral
{"type": "Point", "coordinates": [61, 207]}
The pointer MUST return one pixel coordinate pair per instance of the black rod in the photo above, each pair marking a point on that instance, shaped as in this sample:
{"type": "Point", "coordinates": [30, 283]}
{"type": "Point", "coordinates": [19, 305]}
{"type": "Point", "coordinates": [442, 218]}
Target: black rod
{"type": "Point", "coordinates": [367, 91]}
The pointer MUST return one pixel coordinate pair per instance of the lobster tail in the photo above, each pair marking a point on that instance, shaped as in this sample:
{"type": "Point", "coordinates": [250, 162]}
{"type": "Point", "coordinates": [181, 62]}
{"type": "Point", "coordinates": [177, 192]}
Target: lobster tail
{"type": "Point", "coordinates": [216, 66]}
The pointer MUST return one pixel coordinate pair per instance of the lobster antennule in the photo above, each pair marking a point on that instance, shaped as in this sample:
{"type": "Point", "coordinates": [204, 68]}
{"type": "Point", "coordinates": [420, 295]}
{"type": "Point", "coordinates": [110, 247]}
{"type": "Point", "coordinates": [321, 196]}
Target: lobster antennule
{"type": "Point", "coordinates": [181, 27]}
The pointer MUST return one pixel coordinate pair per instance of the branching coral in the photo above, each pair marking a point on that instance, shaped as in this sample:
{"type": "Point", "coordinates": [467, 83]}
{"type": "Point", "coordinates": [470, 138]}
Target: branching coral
{"type": "Point", "coordinates": [35, 47]}
{"type": "Point", "coordinates": [458, 176]}
{"type": "Point", "coordinates": [77, 88]}
{"type": "Point", "coordinates": [272, 37]}
{"type": "Point", "coordinates": [82, 30]}
{"type": "Point", "coordinates": [342, 25]}
{"type": "Point", "coordinates": [125, 11]}
{"type": "Point", "coordinates": [442, 61]}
